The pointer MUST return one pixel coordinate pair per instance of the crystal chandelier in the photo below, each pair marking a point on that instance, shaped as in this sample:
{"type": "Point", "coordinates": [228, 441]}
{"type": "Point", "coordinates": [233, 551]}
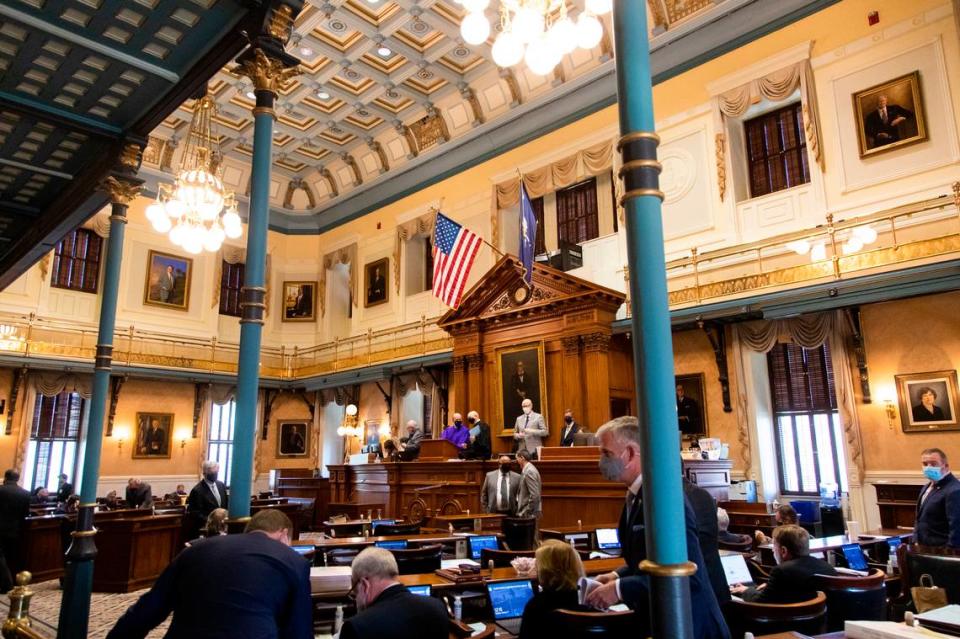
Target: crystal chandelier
{"type": "Point", "coordinates": [536, 31]}
{"type": "Point", "coordinates": [196, 210]}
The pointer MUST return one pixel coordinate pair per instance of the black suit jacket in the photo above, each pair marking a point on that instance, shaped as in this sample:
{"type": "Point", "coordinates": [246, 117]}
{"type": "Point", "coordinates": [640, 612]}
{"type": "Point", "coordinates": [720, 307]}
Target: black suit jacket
{"type": "Point", "coordinates": [399, 614]}
{"type": "Point", "coordinates": [200, 502]}
{"type": "Point", "coordinates": [792, 581]}
{"type": "Point", "coordinates": [538, 620]}
{"type": "Point", "coordinates": [141, 497]}
{"type": "Point", "coordinates": [708, 622]}
{"type": "Point", "coordinates": [566, 437]}
{"type": "Point", "coordinates": [245, 586]}
{"type": "Point", "coordinates": [938, 518]}
{"type": "Point", "coordinates": [14, 508]}
{"type": "Point", "coordinates": [708, 532]}
{"type": "Point", "coordinates": [481, 446]}
{"type": "Point", "coordinates": [875, 126]}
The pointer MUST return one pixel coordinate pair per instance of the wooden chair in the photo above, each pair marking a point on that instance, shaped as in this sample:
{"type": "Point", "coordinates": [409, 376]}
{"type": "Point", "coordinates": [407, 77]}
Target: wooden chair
{"type": "Point", "coordinates": [519, 533]}
{"type": "Point", "coordinates": [942, 564]}
{"type": "Point", "coordinates": [807, 617]}
{"type": "Point", "coordinates": [854, 598]}
{"type": "Point", "coordinates": [578, 624]}
{"type": "Point", "coordinates": [415, 561]}
{"type": "Point", "coordinates": [397, 529]}
{"type": "Point", "coordinates": [744, 546]}
{"type": "Point", "coordinates": [501, 558]}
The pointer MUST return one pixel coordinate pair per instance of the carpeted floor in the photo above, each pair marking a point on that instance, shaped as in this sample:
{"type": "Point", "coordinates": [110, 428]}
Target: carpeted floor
{"type": "Point", "coordinates": [105, 609]}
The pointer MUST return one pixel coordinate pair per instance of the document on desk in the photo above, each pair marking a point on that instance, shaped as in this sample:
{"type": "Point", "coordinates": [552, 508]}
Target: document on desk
{"type": "Point", "coordinates": [946, 618]}
{"type": "Point", "coordinates": [585, 586]}
{"type": "Point", "coordinates": [888, 630]}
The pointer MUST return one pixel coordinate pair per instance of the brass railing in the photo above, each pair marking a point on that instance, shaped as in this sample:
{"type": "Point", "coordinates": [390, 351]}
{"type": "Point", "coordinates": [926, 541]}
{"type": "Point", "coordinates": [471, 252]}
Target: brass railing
{"type": "Point", "coordinates": [18, 623]}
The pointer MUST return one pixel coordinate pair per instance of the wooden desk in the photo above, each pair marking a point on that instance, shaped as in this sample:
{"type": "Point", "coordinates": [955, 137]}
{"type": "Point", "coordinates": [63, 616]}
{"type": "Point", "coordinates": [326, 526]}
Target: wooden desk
{"type": "Point", "coordinates": [354, 542]}
{"type": "Point", "coordinates": [41, 546]}
{"type": "Point", "coordinates": [479, 521]}
{"type": "Point", "coordinates": [828, 544]}
{"type": "Point", "coordinates": [583, 537]}
{"type": "Point", "coordinates": [353, 510]}
{"type": "Point", "coordinates": [133, 550]}
{"type": "Point", "coordinates": [590, 567]}
{"type": "Point", "coordinates": [300, 482]}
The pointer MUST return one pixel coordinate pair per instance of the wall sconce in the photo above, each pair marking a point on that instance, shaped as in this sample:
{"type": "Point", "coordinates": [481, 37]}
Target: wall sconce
{"type": "Point", "coordinates": [120, 433]}
{"type": "Point", "coordinates": [183, 435]}
{"type": "Point", "coordinates": [889, 407]}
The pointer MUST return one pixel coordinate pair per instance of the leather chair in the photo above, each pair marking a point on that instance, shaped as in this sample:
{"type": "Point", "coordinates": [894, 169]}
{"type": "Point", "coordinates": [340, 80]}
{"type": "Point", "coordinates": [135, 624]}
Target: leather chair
{"type": "Point", "coordinates": [807, 617]}
{"type": "Point", "coordinates": [397, 529]}
{"type": "Point", "coordinates": [415, 561]}
{"type": "Point", "coordinates": [942, 564]}
{"type": "Point", "coordinates": [340, 556]}
{"type": "Point", "coordinates": [501, 558]}
{"type": "Point", "coordinates": [854, 598]}
{"type": "Point", "coordinates": [519, 533]}
{"type": "Point", "coordinates": [588, 625]}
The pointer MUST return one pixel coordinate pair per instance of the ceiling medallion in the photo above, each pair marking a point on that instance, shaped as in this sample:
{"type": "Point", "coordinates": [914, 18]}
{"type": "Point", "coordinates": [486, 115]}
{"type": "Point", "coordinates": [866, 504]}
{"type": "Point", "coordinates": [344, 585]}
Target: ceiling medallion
{"type": "Point", "coordinates": [337, 26]}
{"type": "Point", "coordinates": [425, 74]}
{"type": "Point", "coordinates": [419, 27]}
{"type": "Point", "coordinates": [461, 52]}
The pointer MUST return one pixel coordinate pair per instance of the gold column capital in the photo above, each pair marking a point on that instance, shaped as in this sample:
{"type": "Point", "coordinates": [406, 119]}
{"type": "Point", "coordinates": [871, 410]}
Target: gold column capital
{"type": "Point", "coordinates": [130, 156]}
{"type": "Point", "coordinates": [266, 73]}
{"type": "Point", "coordinates": [120, 191]}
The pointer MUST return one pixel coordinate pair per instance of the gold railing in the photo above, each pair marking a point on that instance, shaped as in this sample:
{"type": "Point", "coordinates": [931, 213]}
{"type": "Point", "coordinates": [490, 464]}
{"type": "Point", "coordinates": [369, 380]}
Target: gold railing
{"type": "Point", "coordinates": [18, 624]}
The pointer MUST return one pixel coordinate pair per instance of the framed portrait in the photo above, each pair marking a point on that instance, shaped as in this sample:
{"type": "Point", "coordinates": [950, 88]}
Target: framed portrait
{"type": "Point", "coordinates": [371, 436]}
{"type": "Point", "coordinates": [154, 434]}
{"type": "Point", "coordinates": [299, 301]}
{"type": "Point", "coordinates": [376, 283]}
{"type": "Point", "coordinates": [890, 115]}
{"type": "Point", "coordinates": [691, 404]}
{"type": "Point", "coordinates": [521, 375]}
{"type": "Point", "coordinates": [168, 281]}
{"type": "Point", "coordinates": [928, 401]}
{"type": "Point", "coordinates": [293, 438]}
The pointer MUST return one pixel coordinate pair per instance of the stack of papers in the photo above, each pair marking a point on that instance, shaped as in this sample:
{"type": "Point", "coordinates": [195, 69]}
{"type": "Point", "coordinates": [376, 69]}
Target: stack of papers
{"type": "Point", "coordinates": [330, 579]}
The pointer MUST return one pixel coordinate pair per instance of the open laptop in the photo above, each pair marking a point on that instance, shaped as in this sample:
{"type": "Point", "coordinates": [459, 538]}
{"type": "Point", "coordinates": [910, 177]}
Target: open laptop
{"type": "Point", "coordinates": [853, 553]}
{"type": "Point", "coordinates": [399, 544]}
{"type": "Point", "coordinates": [507, 600]}
{"type": "Point", "coordinates": [608, 541]}
{"type": "Point", "coordinates": [736, 571]}
{"type": "Point", "coordinates": [423, 590]}
{"type": "Point", "coordinates": [479, 542]}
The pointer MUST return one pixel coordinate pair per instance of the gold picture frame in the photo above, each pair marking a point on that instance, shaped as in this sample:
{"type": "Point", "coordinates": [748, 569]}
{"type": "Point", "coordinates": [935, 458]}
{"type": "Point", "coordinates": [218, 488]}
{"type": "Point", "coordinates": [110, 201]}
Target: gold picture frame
{"type": "Point", "coordinates": [509, 387]}
{"type": "Point", "coordinates": [692, 415]}
{"type": "Point", "coordinates": [905, 123]}
{"type": "Point", "coordinates": [920, 416]}
{"type": "Point", "coordinates": [293, 438]}
{"type": "Point", "coordinates": [376, 291]}
{"type": "Point", "coordinates": [167, 282]}
{"type": "Point", "coordinates": [154, 436]}
{"type": "Point", "coordinates": [298, 301]}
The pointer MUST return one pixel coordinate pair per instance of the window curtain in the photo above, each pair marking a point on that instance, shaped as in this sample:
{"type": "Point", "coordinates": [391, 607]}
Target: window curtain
{"type": "Point", "coordinates": [346, 255]}
{"type": "Point", "coordinates": [230, 255]}
{"type": "Point", "coordinates": [47, 384]}
{"type": "Point", "coordinates": [216, 394]}
{"type": "Point", "coordinates": [422, 225]}
{"type": "Point", "coordinates": [99, 224]}
{"type": "Point", "coordinates": [775, 86]}
{"type": "Point", "coordinates": [808, 331]}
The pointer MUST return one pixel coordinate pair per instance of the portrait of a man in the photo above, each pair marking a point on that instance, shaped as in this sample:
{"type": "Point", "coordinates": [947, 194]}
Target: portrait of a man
{"type": "Point", "coordinates": [293, 438]}
{"type": "Point", "coordinates": [153, 435]}
{"type": "Point", "coordinates": [521, 377]}
{"type": "Point", "coordinates": [890, 115]}
{"type": "Point", "coordinates": [928, 401]}
{"type": "Point", "coordinates": [691, 414]}
{"type": "Point", "coordinates": [168, 281]}
{"type": "Point", "coordinates": [299, 301]}
{"type": "Point", "coordinates": [376, 282]}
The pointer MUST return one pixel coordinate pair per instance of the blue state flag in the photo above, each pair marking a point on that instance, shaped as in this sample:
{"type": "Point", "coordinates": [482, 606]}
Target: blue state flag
{"type": "Point", "coordinates": [528, 234]}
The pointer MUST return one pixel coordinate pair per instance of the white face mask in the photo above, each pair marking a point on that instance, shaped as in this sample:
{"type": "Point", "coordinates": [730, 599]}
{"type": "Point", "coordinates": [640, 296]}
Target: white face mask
{"type": "Point", "coordinates": [527, 410]}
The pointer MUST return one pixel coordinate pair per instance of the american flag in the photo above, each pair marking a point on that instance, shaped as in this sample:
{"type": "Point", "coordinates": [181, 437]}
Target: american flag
{"type": "Point", "coordinates": [454, 251]}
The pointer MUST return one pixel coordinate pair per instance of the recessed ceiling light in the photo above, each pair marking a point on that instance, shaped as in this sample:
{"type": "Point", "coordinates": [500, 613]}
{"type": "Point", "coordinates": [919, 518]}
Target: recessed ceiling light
{"type": "Point", "coordinates": [323, 95]}
{"type": "Point", "coordinates": [251, 95]}
{"type": "Point", "coordinates": [306, 51]}
{"type": "Point", "coordinates": [384, 52]}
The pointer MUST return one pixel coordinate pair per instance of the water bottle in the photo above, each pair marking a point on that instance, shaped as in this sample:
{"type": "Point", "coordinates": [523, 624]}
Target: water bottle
{"type": "Point", "coordinates": [457, 608]}
{"type": "Point", "coordinates": [450, 527]}
{"type": "Point", "coordinates": [338, 619]}
{"type": "Point", "coordinates": [890, 561]}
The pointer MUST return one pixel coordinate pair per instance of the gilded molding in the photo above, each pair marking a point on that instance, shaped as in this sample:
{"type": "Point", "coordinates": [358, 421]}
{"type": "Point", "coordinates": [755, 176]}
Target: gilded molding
{"type": "Point", "coordinates": [131, 156]}
{"type": "Point", "coordinates": [281, 22]}
{"type": "Point", "coordinates": [266, 73]}
{"type": "Point", "coordinates": [120, 191]}
{"type": "Point", "coordinates": [720, 152]}
{"type": "Point", "coordinates": [685, 569]}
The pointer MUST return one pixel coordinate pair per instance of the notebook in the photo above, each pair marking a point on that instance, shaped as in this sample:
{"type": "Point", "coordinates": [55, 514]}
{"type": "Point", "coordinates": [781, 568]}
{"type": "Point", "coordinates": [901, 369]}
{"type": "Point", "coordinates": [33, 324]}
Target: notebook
{"type": "Point", "coordinates": [608, 540]}
{"type": "Point", "coordinates": [736, 570]}
{"type": "Point", "coordinates": [479, 542]}
{"type": "Point", "coordinates": [508, 599]}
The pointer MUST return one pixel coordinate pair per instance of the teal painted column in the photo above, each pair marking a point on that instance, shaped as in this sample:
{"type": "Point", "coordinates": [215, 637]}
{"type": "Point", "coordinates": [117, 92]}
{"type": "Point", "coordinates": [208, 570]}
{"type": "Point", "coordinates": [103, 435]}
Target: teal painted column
{"type": "Point", "coordinates": [663, 502]}
{"type": "Point", "coordinates": [78, 579]}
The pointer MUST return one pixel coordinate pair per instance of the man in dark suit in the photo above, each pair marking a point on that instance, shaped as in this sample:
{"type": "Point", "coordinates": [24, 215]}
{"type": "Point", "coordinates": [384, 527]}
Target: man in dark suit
{"type": "Point", "coordinates": [500, 489]}
{"type": "Point", "coordinates": [882, 125]}
{"type": "Point", "coordinates": [208, 495]}
{"type": "Point", "coordinates": [385, 608]}
{"type": "Point", "coordinates": [139, 493]}
{"type": "Point", "coordinates": [708, 532]}
{"type": "Point", "coordinates": [619, 441]}
{"type": "Point", "coordinates": [569, 430]}
{"type": "Point", "coordinates": [250, 586]}
{"type": "Point", "coordinates": [793, 579]}
{"type": "Point", "coordinates": [688, 413]}
{"type": "Point", "coordinates": [65, 488]}
{"type": "Point", "coordinates": [938, 508]}
{"type": "Point", "coordinates": [479, 446]}
{"type": "Point", "coordinates": [14, 508]}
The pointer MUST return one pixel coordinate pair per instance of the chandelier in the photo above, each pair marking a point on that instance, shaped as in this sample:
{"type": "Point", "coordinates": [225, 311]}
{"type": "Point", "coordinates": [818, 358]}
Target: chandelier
{"type": "Point", "coordinates": [538, 32]}
{"type": "Point", "coordinates": [196, 210]}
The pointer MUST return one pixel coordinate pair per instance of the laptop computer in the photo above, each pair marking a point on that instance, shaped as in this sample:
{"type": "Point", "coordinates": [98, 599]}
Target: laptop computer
{"type": "Point", "coordinates": [736, 571]}
{"type": "Point", "coordinates": [399, 544]}
{"type": "Point", "coordinates": [420, 590]}
{"type": "Point", "coordinates": [479, 542]}
{"type": "Point", "coordinates": [507, 600]}
{"type": "Point", "coordinates": [608, 540]}
{"type": "Point", "coordinates": [853, 553]}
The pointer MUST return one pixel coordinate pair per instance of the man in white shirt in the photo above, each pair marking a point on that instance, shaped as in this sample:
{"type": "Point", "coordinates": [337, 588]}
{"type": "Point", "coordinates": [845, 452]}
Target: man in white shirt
{"type": "Point", "coordinates": [530, 430]}
{"type": "Point", "coordinates": [500, 489]}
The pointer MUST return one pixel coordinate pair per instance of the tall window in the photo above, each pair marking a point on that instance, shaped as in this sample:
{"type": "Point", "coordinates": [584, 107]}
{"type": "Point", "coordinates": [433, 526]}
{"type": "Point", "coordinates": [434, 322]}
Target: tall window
{"type": "Point", "coordinates": [54, 438]}
{"type": "Point", "coordinates": [539, 243]}
{"type": "Point", "coordinates": [76, 261]}
{"type": "Point", "coordinates": [807, 427]}
{"type": "Point", "coordinates": [231, 281]}
{"type": "Point", "coordinates": [777, 151]}
{"type": "Point", "coordinates": [577, 213]}
{"type": "Point", "coordinates": [418, 257]}
{"type": "Point", "coordinates": [220, 446]}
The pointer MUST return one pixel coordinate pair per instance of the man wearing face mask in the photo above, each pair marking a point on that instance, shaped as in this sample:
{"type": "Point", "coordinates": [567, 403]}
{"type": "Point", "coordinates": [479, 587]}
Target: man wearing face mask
{"type": "Point", "coordinates": [619, 442]}
{"type": "Point", "coordinates": [530, 430]}
{"type": "Point", "coordinates": [208, 495]}
{"type": "Point", "coordinates": [385, 608]}
{"type": "Point", "coordinates": [570, 429]}
{"type": "Point", "coordinates": [478, 446]}
{"type": "Point", "coordinates": [938, 508]}
{"type": "Point", "coordinates": [249, 586]}
{"type": "Point", "coordinates": [458, 433]}
{"type": "Point", "coordinates": [500, 489]}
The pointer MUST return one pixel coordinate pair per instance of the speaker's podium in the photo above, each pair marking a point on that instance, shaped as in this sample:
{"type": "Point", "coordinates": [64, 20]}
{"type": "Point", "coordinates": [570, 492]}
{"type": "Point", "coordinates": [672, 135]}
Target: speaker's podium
{"type": "Point", "coordinates": [437, 450]}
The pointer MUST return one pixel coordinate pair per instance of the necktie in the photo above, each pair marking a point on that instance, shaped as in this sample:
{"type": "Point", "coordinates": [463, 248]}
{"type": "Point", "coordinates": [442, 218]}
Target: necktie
{"type": "Point", "coordinates": [504, 492]}
{"type": "Point", "coordinates": [883, 115]}
{"type": "Point", "coordinates": [527, 421]}
{"type": "Point", "coordinates": [926, 493]}
{"type": "Point", "coordinates": [216, 492]}
{"type": "Point", "coordinates": [630, 499]}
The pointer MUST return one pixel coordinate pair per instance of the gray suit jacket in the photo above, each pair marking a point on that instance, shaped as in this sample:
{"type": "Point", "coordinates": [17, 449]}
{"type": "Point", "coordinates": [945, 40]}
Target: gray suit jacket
{"type": "Point", "coordinates": [412, 441]}
{"type": "Point", "coordinates": [534, 431]}
{"type": "Point", "coordinates": [528, 500]}
{"type": "Point", "coordinates": [488, 494]}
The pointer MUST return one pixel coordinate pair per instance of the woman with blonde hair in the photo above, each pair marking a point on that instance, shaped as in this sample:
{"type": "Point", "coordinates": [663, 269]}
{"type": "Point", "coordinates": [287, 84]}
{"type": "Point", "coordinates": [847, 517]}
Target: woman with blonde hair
{"type": "Point", "coordinates": [558, 572]}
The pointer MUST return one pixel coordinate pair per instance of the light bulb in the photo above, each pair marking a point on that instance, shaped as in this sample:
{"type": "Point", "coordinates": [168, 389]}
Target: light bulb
{"type": "Point", "coordinates": [161, 223]}
{"type": "Point", "coordinates": [563, 35]}
{"type": "Point", "coordinates": [351, 409]}
{"type": "Point", "coordinates": [599, 7]}
{"type": "Point", "coordinates": [507, 49]}
{"type": "Point", "coordinates": [866, 234]}
{"type": "Point", "coordinates": [233, 231]}
{"type": "Point", "coordinates": [852, 245]}
{"type": "Point", "coordinates": [589, 31]}
{"type": "Point", "coordinates": [800, 247]}
{"type": "Point", "coordinates": [155, 210]}
{"type": "Point", "coordinates": [528, 24]}
{"type": "Point", "coordinates": [541, 57]}
{"type": "Point", "coordinates": [384, 52]}
{"type": "Point", "coordinates": [211, 242]}
{"type": "Point", "coordinates": [177, 233]}
{"type": "Point", "coordinates": [231, 218]}
{"type": "Point", "coordinates": [818, 253]}
{"type": "Point", "coordinates": [475, 6]}
{"type": "Point", "coordinates": [475, 28]}
{"type": "Point", "coordinates": [193, 242]}
{"type": "Point", "coordinates": [174, 208]}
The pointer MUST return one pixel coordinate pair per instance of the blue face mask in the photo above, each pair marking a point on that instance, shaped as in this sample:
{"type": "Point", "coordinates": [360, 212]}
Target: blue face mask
{"type": "Point", "coordinates": [933, 473]}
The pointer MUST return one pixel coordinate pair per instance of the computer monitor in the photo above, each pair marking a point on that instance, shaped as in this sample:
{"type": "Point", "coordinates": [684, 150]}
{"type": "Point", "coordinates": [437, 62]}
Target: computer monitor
{"type": "Point", "coordinates": [607, 539]}
{"type": "Point", "coordinates": [855, 557]}
{"type": "Point", "coordinates": [508, 598]}
{"type": "Point", "coordinates": [399, 544]}
{"type": "Point", "coordinates": [420, 590]}
{"type": "Point", "coordinates": [376, 522]}
{"type": "Point", "coordinates": [303, 550]}
{"type": "Point", "coordinates": [894, 543]}
{"type": "Point", "coordinates": [735, 569]}
{"type": "Point", "coordinates": [479, 542]}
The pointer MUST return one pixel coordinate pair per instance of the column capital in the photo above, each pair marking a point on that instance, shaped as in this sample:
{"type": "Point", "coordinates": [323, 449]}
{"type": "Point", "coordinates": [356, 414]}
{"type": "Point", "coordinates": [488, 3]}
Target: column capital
{"type": "Point", "coordinates": [571, 344]}
{"type": "Point", "coordinates": [266, 72]}
{"type": "Point", "coordinates": [475, 361]}
{"type": "Point", "coordinates": [459, 364]}
{"type": "Point", "coordinates": [120, 189]}
{"type": "Point", "coordinates": [596, 342]}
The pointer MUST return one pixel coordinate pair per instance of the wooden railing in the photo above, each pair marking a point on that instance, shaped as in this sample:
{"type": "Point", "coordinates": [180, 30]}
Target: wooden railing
{"type": "Point", "coordinates": [18, 624]}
